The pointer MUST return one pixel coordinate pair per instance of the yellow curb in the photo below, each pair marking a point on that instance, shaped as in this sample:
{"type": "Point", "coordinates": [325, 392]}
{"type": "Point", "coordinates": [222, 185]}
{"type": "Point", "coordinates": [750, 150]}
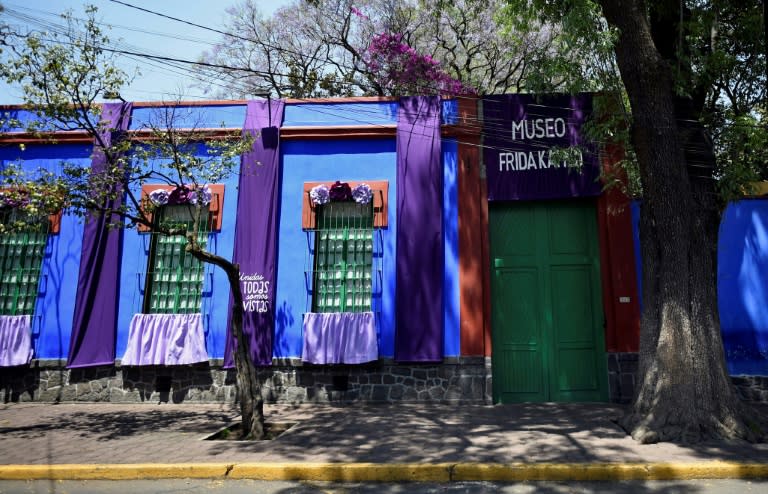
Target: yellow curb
{"type": "Point", "coordinates": [127, 471]}
{"type": "Point", "coordinates": [394, 472]}
{"type": "Point", "coordinates": [513, 472]}
{"type": "Point", "coordinates": [345, 472]}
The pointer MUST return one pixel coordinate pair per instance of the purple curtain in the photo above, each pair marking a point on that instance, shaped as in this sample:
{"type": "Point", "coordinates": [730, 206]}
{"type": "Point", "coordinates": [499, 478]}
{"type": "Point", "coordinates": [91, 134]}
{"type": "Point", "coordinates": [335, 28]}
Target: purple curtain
{"type": "Point", "coordinates": [15, 340]}
{"type": "Point", "coordinates": [165, 339]}
{"type": "Point", "coordinates": [95, 321]}
{"type": "Point", "coordinates": [419, 267]}
{"type": "Point", "coordinates": [256, 230]}
{"type": "Point", "coordinates": [339, 338]}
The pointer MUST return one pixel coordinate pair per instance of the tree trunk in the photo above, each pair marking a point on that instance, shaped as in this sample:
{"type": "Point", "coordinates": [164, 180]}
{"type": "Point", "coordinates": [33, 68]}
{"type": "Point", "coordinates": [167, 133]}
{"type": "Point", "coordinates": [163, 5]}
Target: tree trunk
{"type": "Point", "coordinates": [684, 391]}
{"type": "Point", "coordinates": [251, 401]}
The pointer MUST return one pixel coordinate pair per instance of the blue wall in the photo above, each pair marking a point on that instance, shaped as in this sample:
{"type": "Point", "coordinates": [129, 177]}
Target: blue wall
{"type": "Point", "coordinates": [302, 161]}
{"type": "Point", "coordinates": [52, 321]}
{"type": "Point", "coordinates": [215, 302]}
{"type": "Point", "coordinates": [328, 161]}
{"type": "Point", "coordinates": [451, 292]}
{"type": "Point", "coordinates": [743, 286]}
{"type": "Point", "coordinates": [199, 117]}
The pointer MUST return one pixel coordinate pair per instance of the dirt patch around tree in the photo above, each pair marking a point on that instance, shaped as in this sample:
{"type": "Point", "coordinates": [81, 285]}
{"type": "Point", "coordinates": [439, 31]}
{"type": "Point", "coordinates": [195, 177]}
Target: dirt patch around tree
{"type": "Point", "coordinates": [234, 432]}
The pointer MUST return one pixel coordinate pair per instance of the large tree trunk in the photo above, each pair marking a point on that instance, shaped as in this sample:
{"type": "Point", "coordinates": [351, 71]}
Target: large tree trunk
{"type": "Point", "coordinates": [684, 391]}
{"type": "Point", "coordinates": [251, 401]}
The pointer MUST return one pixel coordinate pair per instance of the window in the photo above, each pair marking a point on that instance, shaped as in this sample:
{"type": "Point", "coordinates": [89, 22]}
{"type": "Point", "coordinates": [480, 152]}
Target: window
{"type": "Point", "coordinates": [343, 260]}
{"type": "Point", "coordinates": [21, 259]}
{"type": "Point", "coordinates": [174, 277]}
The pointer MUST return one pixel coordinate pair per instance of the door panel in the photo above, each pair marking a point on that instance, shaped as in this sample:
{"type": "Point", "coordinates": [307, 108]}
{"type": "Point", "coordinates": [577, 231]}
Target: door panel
{"type": "Point", "coordinates": [519, 351]}
{"type": "Point", "coordinates": [548, 342]}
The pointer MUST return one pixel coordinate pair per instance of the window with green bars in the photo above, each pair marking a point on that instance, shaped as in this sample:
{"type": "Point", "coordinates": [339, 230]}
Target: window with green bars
{"type": "Point", "coordinates": [343, 258]}
{"type": "Point", "coordinates": [175, 277]}
{"type": "Point", "coordinates": [21, 260]}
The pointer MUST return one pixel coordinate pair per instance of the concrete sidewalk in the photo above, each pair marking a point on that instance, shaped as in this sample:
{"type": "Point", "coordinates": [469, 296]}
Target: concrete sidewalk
{"type": "Point", "coordinates": [436, 443]}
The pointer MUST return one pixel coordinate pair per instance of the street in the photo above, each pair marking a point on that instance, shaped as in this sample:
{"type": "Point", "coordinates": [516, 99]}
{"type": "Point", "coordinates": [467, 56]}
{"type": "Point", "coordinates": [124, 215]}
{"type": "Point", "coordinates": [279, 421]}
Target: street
{"type": "Point", "coordinates": [262, 487]}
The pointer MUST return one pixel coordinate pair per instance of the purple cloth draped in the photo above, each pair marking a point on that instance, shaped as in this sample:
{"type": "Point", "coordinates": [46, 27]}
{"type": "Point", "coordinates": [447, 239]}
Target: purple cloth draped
{"type": "Point", "coordinates": [94, 324]}
{"type": "Point", "coordinates": [15, 340]}
{"type": "Point", "coordinates": [165, 339]}
{"type": "Point", "coordinates": [522, 134]}
{"type": "Point", "coordinates": [419, 267]}
{"type": "Point", "coordinates": [256, 230]}
{"type": "Point", "coordinates": [339, 338]}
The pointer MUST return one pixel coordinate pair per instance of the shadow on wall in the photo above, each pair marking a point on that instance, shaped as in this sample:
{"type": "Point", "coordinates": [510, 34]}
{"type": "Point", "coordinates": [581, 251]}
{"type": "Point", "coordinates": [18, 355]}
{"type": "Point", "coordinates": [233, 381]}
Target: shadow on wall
{"type": "Point", "coordinates": [18, 384]}
{"type": "Point", "coordinates": [284, 320]}
{"type": "Point", "coordinates": [164, 384]}
{"type": "Point", "coordinates": [743, 286]}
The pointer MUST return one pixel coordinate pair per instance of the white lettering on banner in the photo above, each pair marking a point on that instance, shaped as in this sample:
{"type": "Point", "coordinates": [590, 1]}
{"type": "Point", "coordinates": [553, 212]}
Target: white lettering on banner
{"type": "Point", "coordinates": [538, 128]}
{"type": "Point", "coordinates": [255, 292]}
{"type": "Point", "coordinates": [521, 161]}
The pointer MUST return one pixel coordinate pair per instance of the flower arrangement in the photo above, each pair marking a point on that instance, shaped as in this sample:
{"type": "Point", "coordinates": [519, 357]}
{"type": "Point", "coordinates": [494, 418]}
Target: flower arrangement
{"type": "Point", "coordinates": [340, 192]}
{"type": "Point", "coordinates": [320, 195]}
{"type": "Point", "coordinates": [181, 195]}
{"type": "Point", "coordinates": [14, 198]}
{"type": "Point", "coordinates": [362, 194]}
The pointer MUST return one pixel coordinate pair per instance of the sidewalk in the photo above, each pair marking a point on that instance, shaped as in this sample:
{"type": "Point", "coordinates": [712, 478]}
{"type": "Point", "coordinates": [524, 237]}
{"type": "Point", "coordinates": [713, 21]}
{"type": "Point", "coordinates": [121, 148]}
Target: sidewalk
{"type": "Point", "coordinates": [356, 443]}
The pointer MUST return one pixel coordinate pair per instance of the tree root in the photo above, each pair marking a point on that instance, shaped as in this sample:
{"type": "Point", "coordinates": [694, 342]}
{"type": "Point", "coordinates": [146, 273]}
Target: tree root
{"type": "Point", "coordinates": [745, 423]}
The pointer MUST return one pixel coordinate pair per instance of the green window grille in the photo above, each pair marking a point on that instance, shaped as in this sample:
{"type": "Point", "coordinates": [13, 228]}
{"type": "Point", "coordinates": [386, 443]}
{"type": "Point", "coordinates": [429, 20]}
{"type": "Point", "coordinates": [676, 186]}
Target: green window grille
{"type": "Point", "coordinates": [342, 278]}
{"type": "Point", "coordinates": [21, 259]}
{"type": "Point", "coordinates": [175, 277]}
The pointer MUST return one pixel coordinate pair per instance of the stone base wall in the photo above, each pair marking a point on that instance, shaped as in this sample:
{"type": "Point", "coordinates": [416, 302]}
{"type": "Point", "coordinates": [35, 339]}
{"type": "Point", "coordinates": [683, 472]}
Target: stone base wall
{"type": "Point", "coordinates": [752, 388]}
{"type": "Point", "coordinates": [458, 380]}
{"type": "Point", "coordinates": [622, 371]}
{"type": "Point", "coordinates": [455, 380]}
{"type": "Point", "coordinates": [622, 375]}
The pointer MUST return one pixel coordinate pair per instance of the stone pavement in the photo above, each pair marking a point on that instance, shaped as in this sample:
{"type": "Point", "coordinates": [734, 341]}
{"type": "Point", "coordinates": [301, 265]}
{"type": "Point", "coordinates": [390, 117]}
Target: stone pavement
{"type": "Point", "coordinates": [352, 442]}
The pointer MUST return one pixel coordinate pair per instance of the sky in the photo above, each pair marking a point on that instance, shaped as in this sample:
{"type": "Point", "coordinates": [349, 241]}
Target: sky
{"type": "Point", "coordinates": [141, 32]}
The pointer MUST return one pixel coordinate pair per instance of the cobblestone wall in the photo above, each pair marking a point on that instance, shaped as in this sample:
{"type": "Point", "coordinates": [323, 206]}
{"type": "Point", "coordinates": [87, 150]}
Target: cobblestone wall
{"type": "Point", "coordinates": [622, 370]}
{"type": "Point", "coordinates": [462, 380]}
{"type": "Point", "coordinates": [622, 375]}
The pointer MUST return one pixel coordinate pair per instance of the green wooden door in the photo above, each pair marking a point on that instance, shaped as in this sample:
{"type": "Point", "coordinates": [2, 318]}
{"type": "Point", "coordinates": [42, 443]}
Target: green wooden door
{"type": "Point", "coordinates": [547, 319]}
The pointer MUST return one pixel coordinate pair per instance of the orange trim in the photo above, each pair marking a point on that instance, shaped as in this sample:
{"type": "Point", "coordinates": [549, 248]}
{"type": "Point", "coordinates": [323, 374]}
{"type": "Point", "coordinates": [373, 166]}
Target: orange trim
{"type": "Point", "coordinates": [353, 99]}
{"type": "Point", "coordinates": [215, 208]}
{"type": "Point", "coordinates": [471, 262]}
{"type": "Point", "coordinates": [380, 202]}
{"type": "Point", "coordinates": [212, 102]}
{"type": "Point", "coordinates": [220, 102]}
{"type": "Point", "coordinates": [54, 223]}
{"type": "Point", "coordinates": [339, 132]}
{"type": "Point", "coordinates": [486, 265]}
{"type": "Point", "coordinates": [75, 136]}
{"type": "Point", "coordinates": [617, 269]}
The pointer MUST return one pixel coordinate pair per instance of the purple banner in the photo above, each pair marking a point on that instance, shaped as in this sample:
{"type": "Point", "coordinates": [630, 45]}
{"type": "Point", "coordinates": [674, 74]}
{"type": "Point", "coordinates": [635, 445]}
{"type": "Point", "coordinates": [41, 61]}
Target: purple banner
{"type": "Point", "coordinates": [94, 325]}
{"type": "Point", "coordinates": [419, 268]}
{"type": "Point", "coordinates": [534, 147]}
{"type": "Point", "coordinates": [256, 230]}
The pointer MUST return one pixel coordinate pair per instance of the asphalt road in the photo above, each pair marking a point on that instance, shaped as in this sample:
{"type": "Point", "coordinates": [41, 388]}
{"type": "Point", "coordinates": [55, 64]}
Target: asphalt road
{"type": "Point", "coordinates": [259, 487]}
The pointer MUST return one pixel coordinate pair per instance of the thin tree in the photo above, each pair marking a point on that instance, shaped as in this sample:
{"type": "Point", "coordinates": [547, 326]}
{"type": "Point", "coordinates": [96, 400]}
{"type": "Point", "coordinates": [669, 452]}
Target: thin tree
{"type": "Point", "coordinates": [62, 77]}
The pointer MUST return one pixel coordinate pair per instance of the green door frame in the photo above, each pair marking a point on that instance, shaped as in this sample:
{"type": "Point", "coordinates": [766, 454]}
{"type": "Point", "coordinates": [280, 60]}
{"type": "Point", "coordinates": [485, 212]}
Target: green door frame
{"type": "Point", "coordinates": [539, 279]}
